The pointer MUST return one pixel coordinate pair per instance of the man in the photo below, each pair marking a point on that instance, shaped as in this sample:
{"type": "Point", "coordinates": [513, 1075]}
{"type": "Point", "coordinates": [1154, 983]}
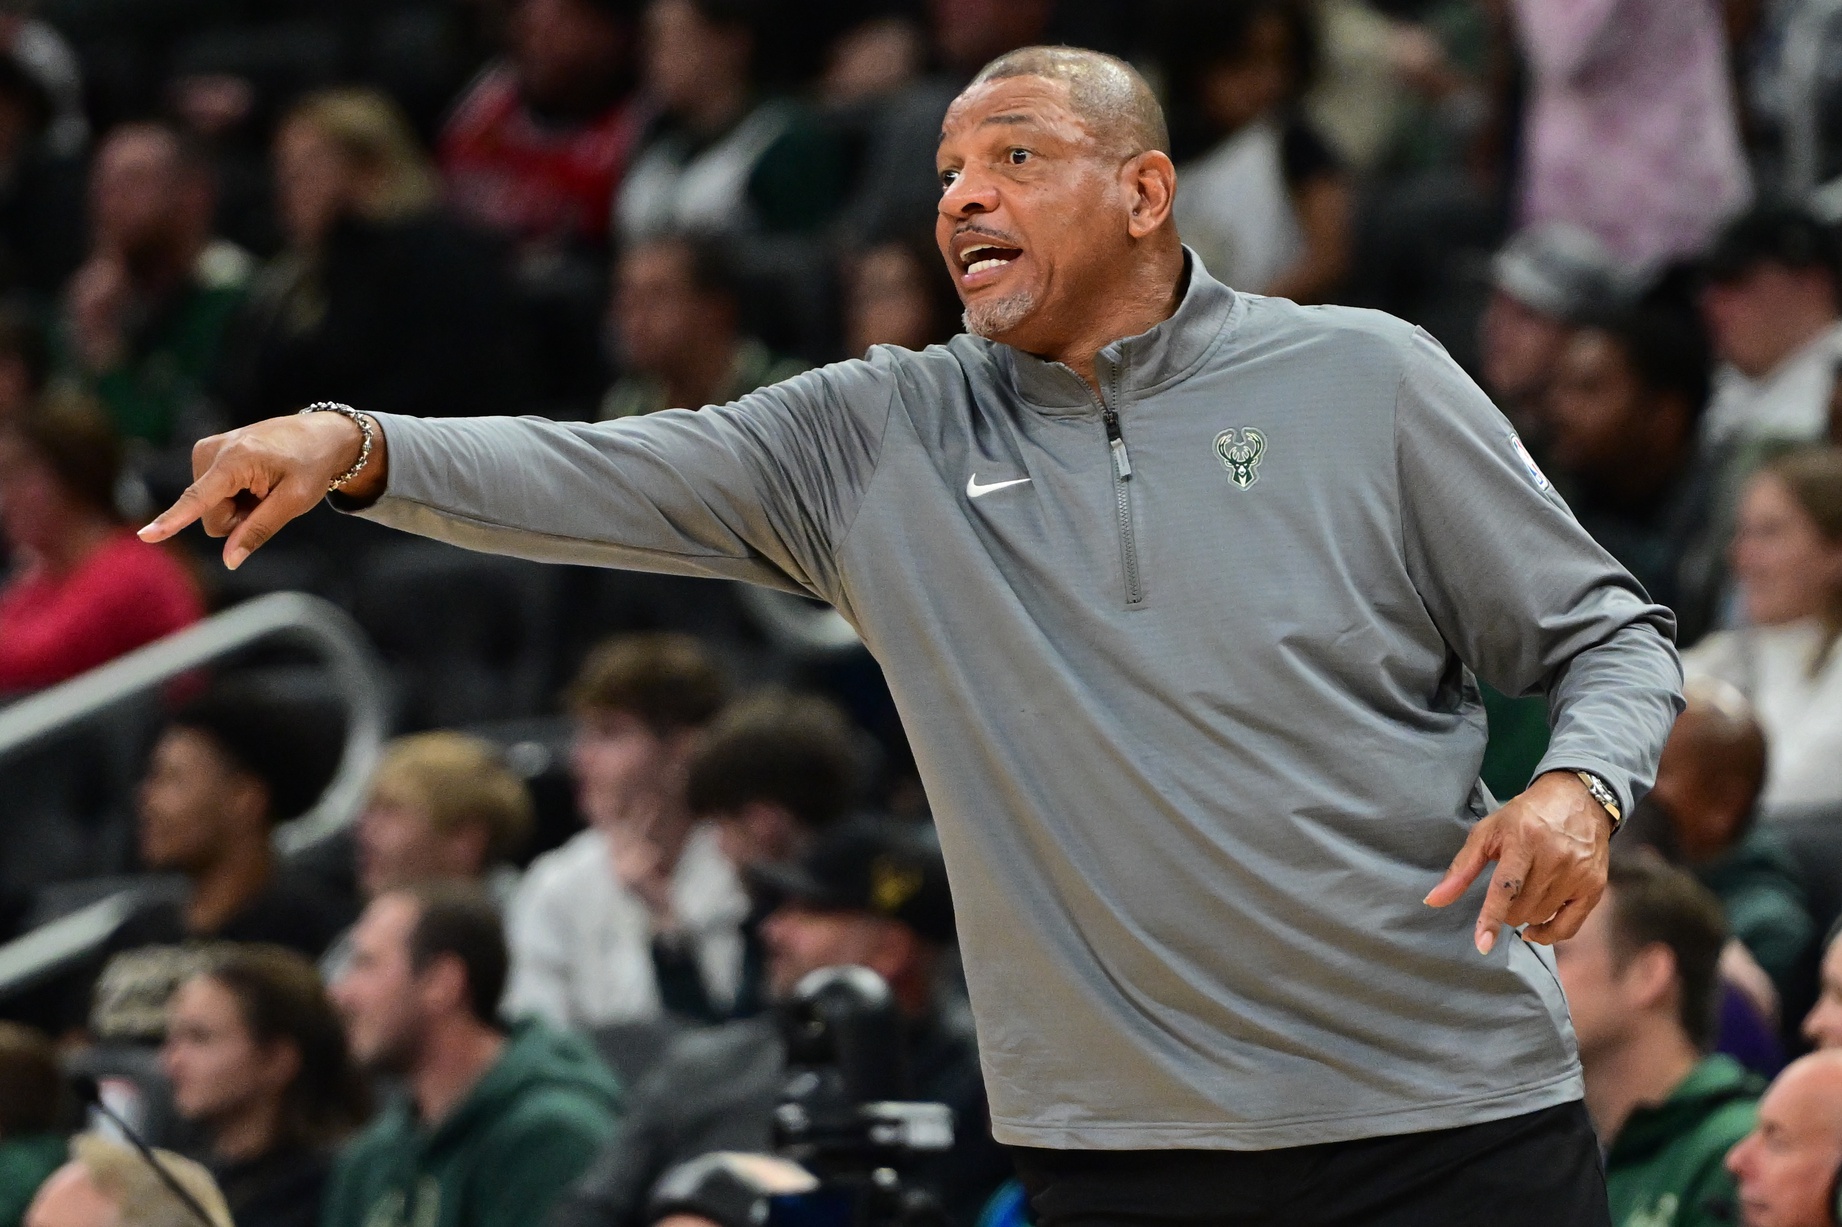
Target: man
{"type": "Point", "coordinates": [1786, 1167]}
{"type": "Point", "coordinates": [146, 313]}
{"type": "Point", "coordinates": [1542, 284]}
{"type": "Point", "coordinates": [1771, 307]}
{"type": "Point", "coordinates": [443, 807]}
{"type": "Point", "coordinates": [869, 893]}
{"type": "Point", "coordinates": [1823, 1025]}
{"type": "Point", "coordinates": [492, 1127]}
{"type": "Point", "coordinates": [106, 1184]}
{"type": "Point", "coordinates": [1623, 415]}
{"type": "Point", "coordinates": [639, 915]}
{"type": "Point", "coordinates": [1643, 986]}
{"type": "Point", "coordinates": [1175, 590]}
{"type": "Point", "coordinates": [1707, 793]}
{"type": "Point", "coordinates": [675, 330]}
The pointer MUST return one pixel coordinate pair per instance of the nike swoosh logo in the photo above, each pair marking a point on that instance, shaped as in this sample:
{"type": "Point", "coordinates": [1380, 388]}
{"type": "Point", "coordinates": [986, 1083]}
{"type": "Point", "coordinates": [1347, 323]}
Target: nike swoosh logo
{"type": "Point", "coordinates": [974, 490]}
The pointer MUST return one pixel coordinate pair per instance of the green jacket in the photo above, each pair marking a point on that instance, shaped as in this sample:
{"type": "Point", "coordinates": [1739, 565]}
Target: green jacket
{"type": "Point", "coordinates": [1757, 884]}
{"type": "Point", "coordinates": [24, 1164]}
{"type": "Point", "coordinates": [1666, 1169]}
{"type": "Point", "coordinates": [511, 1147]}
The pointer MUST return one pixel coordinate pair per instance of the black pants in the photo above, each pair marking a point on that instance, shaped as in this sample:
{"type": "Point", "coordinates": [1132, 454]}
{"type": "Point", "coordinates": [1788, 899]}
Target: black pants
{"type": "Point", "coordinates": [1538, 1170]}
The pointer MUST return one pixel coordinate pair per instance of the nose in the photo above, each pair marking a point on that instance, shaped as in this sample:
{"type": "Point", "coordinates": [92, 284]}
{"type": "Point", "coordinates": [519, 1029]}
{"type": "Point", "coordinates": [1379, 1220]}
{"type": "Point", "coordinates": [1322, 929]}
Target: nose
{"type": "Point", "coordinates": [968, 196]}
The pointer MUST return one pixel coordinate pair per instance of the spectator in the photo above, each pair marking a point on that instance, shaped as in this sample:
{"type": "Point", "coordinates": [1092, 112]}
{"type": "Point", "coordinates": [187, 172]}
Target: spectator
{"type": "Point", "coordinates": [52, 62]}
{"type": "Point", "coordinates": [1786, 1167]}
{"type": "Point", "coordinates": [106, 1184]}
{"type": "Point", "coordinates": [1823, 1025]}
{"type": "Point", "coordinates": [639, 915]}
{"type": "Point", "coordinates": [1624, 418]}
{"type": "Point", "coordinates": [868, 893]}
{"type": "Point", "coordinates": [722, 158]}
{"type": "Point", "coordinates": [968, 34]}
{"type": "Point", "coordinates": [1544, 283]}
{"type": "Point", "coordinates": [1787, 561]}
{"type": "Point", "coordinates": [1630, 130]}
{"type": "Point", "coordinates": [24, 364]}
{"type": "Point", "coordinates": [83, 589]}
{"type": "Point", "coordinates": [443, 807]}
{"type": "Point", "coordinates": [492, 1127]}
{"type": "Point", "coordinates": [1771, 307]}
{"type": "Point", "coordinates": [1707, 785]}
{"type": "Point", "coordinates": [257, 1058]}
{"type": "Point", "coordinates": [677, 334]}
{"type": "Point", "coordinates": [536, 146]}
{"type": "Point", "coordinates": [31, 1098]}
{"type": "Point", "coordinates": [377, 295]}
{"type": "Point", "coordinates": [899, 295]}
{"type": "Point", "coordinates": [146, 313]}
{"type": "Point", "coordinates": [41, 188]}
{"type": "Point", "coordinates": [1267, 207]}
{"type": "Point", "coordinates": [1642, 985]}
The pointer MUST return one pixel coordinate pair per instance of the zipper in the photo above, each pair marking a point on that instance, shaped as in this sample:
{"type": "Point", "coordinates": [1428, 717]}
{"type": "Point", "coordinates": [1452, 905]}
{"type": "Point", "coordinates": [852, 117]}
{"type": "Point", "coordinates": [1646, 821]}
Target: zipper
{"type": "Point", "coordinates": [1122, 492]}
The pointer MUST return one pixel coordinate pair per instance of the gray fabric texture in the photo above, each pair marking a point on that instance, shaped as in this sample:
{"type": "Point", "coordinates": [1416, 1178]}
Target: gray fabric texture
{"type": "Point", "coordinates": [1198, 739]}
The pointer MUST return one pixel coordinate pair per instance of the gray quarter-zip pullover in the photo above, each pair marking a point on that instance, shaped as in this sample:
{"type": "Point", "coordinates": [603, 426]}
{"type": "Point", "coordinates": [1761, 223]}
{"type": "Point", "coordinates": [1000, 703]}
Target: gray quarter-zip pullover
{"type": "Point", "coordinates": [1188, 670]}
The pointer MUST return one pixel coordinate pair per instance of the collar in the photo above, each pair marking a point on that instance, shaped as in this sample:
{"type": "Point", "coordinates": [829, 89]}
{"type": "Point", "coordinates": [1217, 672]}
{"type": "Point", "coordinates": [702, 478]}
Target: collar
{"type": "Point", "coordinates": [1140, 365]}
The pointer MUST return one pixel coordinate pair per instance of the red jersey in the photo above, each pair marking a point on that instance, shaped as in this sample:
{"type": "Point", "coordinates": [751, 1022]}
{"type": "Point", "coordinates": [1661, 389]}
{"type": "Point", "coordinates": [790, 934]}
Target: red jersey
{"type": "Point", "coordinates": [513, 174]}
{"type": "Point", "coordinates": [125, 594]}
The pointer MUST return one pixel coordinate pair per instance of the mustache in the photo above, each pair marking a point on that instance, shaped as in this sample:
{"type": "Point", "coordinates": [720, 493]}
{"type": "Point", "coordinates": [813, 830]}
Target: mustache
{"type": "Point", "coordinates": [987, 232]}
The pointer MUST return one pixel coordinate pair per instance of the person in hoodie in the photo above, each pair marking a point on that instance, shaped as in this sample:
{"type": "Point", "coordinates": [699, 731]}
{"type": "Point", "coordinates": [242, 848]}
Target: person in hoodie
{"type": "Point", "coordinates": [1642, 983]}
{"type": "Point", "coordinates": [493, 1124]}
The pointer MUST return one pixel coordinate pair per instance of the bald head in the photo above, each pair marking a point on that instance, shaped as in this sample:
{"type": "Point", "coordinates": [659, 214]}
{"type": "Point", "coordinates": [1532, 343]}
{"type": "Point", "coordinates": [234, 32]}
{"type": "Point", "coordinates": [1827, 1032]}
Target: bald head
{"type": "Point", "coordinates": [1107, 94]}
{"type": "Point", "coordinates": [1712, 771]}
{"type": "Point", "coordinates": [1786, 1167]}
{"type": "Point", "coordinates": [1718, 728]}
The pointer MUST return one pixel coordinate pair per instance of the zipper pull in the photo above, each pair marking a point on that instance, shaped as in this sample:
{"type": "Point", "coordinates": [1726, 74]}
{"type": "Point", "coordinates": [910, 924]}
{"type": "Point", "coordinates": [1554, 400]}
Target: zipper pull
{"type": "Point", "coordinates": [1122, 463]}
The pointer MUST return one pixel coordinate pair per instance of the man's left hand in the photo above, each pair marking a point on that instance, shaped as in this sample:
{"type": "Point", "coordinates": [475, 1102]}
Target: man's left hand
{"type": "Point", "coordinates": [1551, 845]}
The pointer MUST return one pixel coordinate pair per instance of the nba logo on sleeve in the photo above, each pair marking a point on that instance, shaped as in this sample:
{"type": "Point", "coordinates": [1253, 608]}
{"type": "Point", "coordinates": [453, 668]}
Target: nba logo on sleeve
{"type": "Point", "coordinates": [1528, 462]}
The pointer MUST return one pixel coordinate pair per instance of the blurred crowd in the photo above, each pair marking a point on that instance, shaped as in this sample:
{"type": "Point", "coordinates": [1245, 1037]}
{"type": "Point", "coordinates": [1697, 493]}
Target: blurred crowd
{"type": "Point", "coordinates": [623, 817]}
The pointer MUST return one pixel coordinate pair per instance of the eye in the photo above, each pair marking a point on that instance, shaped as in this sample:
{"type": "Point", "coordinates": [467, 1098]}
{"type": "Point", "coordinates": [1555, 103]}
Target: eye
{"type": "Point", "coordinates": [947, 178]}
{"type": "Point", "coordinates": [1018, 156]}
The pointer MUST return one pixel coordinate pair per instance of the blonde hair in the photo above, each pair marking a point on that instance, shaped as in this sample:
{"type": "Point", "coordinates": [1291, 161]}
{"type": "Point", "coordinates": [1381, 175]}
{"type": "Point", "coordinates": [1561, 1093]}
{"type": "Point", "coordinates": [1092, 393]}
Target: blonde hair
{"type": "Point", "coordinates": [372, 133]}
{"type": "Point", "coordinates": [125, 1178]}
{"type": "Point", "coordinates": [457, 780]}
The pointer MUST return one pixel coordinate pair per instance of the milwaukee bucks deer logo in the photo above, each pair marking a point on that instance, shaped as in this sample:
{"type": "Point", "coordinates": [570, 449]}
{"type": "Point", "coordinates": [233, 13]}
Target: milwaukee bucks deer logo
{"type": "Point", "coordinates": [1241, 455]}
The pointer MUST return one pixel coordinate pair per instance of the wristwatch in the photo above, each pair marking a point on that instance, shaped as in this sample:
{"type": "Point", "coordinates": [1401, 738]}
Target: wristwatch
{"type": "Point", "coordinates": [1603, 794]}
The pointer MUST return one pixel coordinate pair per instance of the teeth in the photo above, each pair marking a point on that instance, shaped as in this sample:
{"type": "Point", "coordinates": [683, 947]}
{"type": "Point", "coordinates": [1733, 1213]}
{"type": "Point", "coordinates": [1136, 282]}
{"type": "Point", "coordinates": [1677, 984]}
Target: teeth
{"type": "Point", "coordinates": [981, 265]}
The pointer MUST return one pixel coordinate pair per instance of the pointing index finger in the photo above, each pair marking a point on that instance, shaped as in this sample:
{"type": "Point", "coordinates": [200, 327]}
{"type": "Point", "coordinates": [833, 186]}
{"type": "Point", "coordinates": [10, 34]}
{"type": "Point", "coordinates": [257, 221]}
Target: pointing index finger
{"type": "Point", "coordinates": [210, 488]}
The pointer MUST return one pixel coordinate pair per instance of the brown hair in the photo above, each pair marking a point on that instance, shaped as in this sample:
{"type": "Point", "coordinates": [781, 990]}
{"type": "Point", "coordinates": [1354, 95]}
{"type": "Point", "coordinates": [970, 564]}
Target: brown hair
{"type": "Point", "coordinates": [1813, 477]}
{"type": "Point", "coordinates": [31, 1086]}
{"type": "Point", "coordinates": [281, 999]}
{"type": "Point", "coordinates": [458, 920]}
{"type": "Point", "coordinates": [1654, 903]}
{"type": "Point", "coordinates": [78, 444]}
{"type": "Point", "coordinates": [795, 751]}
{"type": "Point", "coordinates": [668, 681]}
{"type": "Point", "coordinates": [460, 781]}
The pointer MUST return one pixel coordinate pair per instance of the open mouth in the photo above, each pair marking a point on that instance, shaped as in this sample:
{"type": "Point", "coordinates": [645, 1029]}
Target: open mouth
{"type": "Point", "coordinates": [981, 259]}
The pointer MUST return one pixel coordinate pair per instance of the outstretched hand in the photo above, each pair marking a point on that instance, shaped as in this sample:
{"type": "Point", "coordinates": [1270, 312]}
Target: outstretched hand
{"type": "Point", "coordinates": [1551, 846]}
{"type": "Point", "coordinates": [249, 482]}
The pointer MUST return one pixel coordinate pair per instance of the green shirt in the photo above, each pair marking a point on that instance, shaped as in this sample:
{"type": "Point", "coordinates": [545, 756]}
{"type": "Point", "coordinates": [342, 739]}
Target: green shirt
{"type": "Point", "coordinates": [1757, 884]}
{"type": "Point", "coordinates": [1667, 1166]}
{"type": "Point", "coordinates": [25, 1163]}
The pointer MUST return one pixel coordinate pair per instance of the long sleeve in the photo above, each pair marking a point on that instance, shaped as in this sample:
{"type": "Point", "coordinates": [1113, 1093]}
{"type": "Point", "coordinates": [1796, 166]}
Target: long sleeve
{"type": "Point", "coordinates": [1519, 590]}
{"type": "Point", "coordinates": [762, 489]}
{"type": "Point", "coordinates": [1561, 37]}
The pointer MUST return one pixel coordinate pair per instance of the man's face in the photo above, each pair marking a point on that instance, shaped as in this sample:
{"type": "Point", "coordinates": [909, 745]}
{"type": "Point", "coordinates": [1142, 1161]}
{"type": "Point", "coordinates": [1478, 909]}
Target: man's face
{"type": "Point", "coordinates": [1823, 1025]}
{"type": "Point", "coordinates": [71, 1199]}
{"type": "Point", "coordinates": [1746, 315]}
{"type": "Point", "coordinates": [1025, 213]}
{"type": "Point", "coordinates": [974, 32]}
{"type": "Point", "coordinates": [189, 802]}
{"type": "Point", "coordinates": [34, 509]}
{"type": "Point", "coordinates": [1595, 984]}
{"type": "Point", "coordinates": [566, 50]}
{"type": "Point", "coordinates": [1520, 347]}
{"type": "Point", "coordinates": [1596, 404]}
{"type": "Point", "coordinates": [216, 1067]}
{"type": "Point", "coordinates": [801, 939]}
{"type": "Point", "coordinates": [624, 771]}
{"type": "Point", "coordinates": [138, 190]}
{"type": "Point", "coordinates": [1786, 1166]}
{"type": "Point", "coordinates": [378, 995]}
{"type": "Point", "coordinates": [659, 313]}
{"type": "Point", "coordinates": [400, 845]}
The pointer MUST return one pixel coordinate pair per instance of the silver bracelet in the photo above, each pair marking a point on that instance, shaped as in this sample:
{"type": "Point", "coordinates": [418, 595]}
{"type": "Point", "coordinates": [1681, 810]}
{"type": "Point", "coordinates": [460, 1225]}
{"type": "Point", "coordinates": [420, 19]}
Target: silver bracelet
{"type": "Point", "coordinates": [364, 452]}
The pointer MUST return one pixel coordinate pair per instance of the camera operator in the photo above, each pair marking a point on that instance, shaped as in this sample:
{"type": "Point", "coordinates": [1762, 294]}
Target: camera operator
{"type": "Point", "coordinates": [871, 893]}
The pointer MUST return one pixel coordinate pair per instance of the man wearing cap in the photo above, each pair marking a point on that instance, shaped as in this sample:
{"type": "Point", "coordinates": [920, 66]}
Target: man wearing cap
{"type": "Point", "coordinates": [1182, 595]}
{"type": "Point", "coordinates": [1543, 283]}
{"type": "Point", "coordinates": [870, 893]}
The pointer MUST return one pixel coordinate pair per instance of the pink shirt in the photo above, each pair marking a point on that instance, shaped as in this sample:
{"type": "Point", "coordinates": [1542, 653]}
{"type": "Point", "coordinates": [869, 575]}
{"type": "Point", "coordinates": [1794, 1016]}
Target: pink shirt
{"type": "Point", "coordinates": [1631, 131]}
{"type": "Point", "coordinates": [124, 595]}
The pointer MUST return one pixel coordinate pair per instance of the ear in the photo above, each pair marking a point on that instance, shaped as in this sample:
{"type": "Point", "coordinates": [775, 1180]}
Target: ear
{"type": "Point", "coordinates": [443, 986]}
{"type": "Point", "coordinates": [464, 849]}
{"type": "Point", "coordinates": [1650, 976]}
{"type": "Point", "coordinates": [282, 1062]}
{"type": "Point", "coordinates": [248, 799]}
{"type": "Point", "coordinates": [1150, 181]}
{"type": "Point", "coordinates": [893, 951]}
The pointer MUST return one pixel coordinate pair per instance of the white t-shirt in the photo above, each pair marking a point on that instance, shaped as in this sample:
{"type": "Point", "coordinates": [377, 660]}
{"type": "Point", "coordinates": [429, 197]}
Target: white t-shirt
{"type": "Point", "coordinates": [1790, 402]}
{"type": "Point", "coordinates": [1802, 715]}
{"type": "Point", "coordinates": [1235, 210]}
{"type": "Point", "coordinates": [581, 940]}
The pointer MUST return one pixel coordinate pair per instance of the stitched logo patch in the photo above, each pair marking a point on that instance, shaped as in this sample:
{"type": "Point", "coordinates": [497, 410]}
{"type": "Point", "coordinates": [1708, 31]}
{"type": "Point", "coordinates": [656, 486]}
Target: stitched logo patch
{"type": "Point", "coordinates": [1240, 453]}
{"type": "Point", "coordinates": [1528, 462]}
